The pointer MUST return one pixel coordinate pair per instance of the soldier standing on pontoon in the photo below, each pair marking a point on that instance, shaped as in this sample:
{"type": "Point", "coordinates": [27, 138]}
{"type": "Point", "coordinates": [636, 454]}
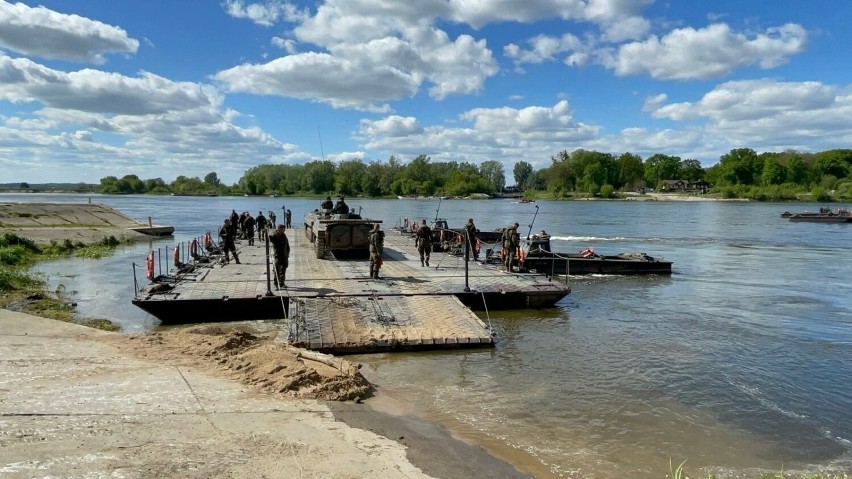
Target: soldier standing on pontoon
{"type": "Point", "coordinates": [281, 246]}
{"type": "Point", "coordinates": [423, 242]}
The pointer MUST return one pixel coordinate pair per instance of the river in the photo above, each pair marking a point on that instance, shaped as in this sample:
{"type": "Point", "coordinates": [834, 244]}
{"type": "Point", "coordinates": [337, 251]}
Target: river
{"type": "Point", "coordinates": [737, 362]}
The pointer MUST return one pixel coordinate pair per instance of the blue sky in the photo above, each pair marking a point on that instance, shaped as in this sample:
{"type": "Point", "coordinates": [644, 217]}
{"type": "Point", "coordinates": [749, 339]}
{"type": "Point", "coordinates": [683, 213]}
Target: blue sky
{"type": "Point", "coordinates": [159, 88]}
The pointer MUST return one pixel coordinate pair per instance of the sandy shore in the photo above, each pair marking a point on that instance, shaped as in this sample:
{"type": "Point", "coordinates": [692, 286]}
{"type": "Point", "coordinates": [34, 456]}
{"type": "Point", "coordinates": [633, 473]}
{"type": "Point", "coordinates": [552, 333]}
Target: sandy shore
{"type": "Point", "coordinates": [78, 402]}
{"type": "Point", "coordinates": [677, 197]}
{"type": "Point", "coordinates": [84, 222]}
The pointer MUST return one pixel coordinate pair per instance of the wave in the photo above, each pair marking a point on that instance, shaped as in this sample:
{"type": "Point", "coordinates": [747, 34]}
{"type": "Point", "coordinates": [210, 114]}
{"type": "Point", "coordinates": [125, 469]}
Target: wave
{"type": "Point", "coordinates": [755, 393]}
{"type": "Point", "coordinates": [586, 238]}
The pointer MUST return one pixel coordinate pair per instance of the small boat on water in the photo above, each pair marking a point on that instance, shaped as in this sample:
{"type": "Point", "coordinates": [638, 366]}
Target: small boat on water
{"type": "Point", "coordinates": [538, 256]}
{"type": "Point", "coordinates": [825, 215]}
{"type": "Point", "coordinates": [541, 259]}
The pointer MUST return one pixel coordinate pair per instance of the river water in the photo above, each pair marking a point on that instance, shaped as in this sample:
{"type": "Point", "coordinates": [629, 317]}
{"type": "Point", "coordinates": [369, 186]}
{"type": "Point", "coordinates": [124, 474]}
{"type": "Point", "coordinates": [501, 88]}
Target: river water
{"type": "Point", "coordinates": [739, 361]}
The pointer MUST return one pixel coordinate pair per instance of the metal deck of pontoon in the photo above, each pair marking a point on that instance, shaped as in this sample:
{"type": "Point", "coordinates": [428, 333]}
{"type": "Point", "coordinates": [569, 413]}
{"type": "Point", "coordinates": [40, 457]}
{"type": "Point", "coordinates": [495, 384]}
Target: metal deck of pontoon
{"type": "Point", "coordinates": [332, 305]}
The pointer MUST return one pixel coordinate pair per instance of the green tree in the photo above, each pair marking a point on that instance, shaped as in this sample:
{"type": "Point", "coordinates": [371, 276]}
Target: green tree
{"type": "Point", "coordinates": [773, 172]}
{"type": "Point", "coordinates": [349, 176]}
{"type": "Point", "coordinates": [522, 172]}
{"type": "Point", "coordinates": [109, 185]}
{"type": "Point", "coordinates": [318, 177]}
{"type": "Point", "coordinates": [742, 165]}
{"type": "Point", "coordinates": [212, 179]}
{"type": "Point", "coordinates": [631, 171]}
{"type": "Point", "coordinates": [493, 173]}
{"type": "Point", "coordinates": [560, 177]}
{"type": "Point", "coordinates": [691, 170]}
{"type": "Point", "coordinates": [832, 162]}
{"type": "Point", "coordinates": [188, 186]}
{"type": "Point", "coordinates": [661, 167]}
{"type": "Point", "coordinates": [795, 170]}
{"type": "Point", "coordinates": [156, 186]}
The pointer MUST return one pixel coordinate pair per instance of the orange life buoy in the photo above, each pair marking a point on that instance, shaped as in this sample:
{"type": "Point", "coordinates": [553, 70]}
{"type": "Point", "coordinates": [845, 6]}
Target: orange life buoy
{"type": "Point", "coordinates": [208, 240]}
{"type": "Point", "coordinates": [177, 256]}
{"type": "Point", "coordinates": [503, 254]}
{"type": "Point", "coordinates": [478, 245]}
{"type": "Point", "coordinates": [522, 255]}
{"type": "Point", "coordinates": [149, 267]}
{"type": "Point", "coordinates": [587, 253]}
{"type": "Point", "coordinates": [193, 248]}
{"type": "Point", "coordinates": [459, 239]}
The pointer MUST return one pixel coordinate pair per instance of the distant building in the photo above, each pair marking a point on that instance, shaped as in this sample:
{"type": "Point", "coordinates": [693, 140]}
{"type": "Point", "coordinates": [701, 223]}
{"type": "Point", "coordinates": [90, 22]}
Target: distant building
{"type": "Point", "coordinates": [674, 185]}
{"type": "Point", "coordinates": [701, 186]}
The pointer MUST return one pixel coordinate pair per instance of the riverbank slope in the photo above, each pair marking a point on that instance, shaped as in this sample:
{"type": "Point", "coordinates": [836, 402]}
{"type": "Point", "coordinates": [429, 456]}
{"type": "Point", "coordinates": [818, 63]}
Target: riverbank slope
{"type": "Point", "coordinates": [83, 222]}
{"type": "Point", "coordinates": [78, 401]}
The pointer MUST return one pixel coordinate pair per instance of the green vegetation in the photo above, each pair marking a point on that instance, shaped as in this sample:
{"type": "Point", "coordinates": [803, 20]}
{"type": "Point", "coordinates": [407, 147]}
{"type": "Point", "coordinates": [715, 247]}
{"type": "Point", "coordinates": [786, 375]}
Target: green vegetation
{"type": "Point", "coordinates": [22, 291]}
{"type": "Point", "coordinates": [740, 173]}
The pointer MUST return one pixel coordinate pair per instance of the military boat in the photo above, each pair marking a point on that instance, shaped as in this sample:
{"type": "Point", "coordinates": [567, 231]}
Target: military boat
{"type": "Point", "coordinates": [344, 235]}
{"type": "Point", "coordinates": [539, 258]}
{"type": "Point", "coordinates": [825, 215]}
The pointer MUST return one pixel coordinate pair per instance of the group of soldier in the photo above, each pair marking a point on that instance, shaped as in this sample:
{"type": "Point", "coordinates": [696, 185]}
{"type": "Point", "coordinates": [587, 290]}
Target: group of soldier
{"type": "Point", "coordinates": [243, 226]}
{"type": "Point", "coordinates": [511, 242]}
{"type": "Point", "coordinates": [335, 208]}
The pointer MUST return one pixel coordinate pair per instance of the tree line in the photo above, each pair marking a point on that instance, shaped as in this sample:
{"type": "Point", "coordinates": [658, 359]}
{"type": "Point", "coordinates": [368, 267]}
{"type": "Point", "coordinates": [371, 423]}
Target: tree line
{"type": "Point", "coordinates": [741, 172]}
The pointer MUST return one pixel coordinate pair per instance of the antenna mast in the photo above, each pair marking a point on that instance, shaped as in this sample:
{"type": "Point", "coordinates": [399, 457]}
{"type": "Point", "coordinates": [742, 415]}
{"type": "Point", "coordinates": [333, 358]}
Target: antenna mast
{"type": "Point", "coordinates": [322, 151]}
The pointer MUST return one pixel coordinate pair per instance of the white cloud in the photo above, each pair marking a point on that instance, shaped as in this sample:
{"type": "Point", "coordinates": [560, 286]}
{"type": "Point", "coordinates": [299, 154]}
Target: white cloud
{"type": "Point", "coordinates": [286, 44]}
{"type": "Point", "coordinates": [478, 13]}
{"type": "Point", "coordinates": [266, 14]}
{"type": "Point", "coordinates": [392, 126]}
{"type": "Point", "coordinates": [768, 114]}
{"type": "Point", "coordinates": [95, 122]}
{"type": "Point", "coordinates": [321, 77]}
{"type": "Point", "coordinates": [49, 34]}
{"type": "Point", "coordinates": [530, 123]}
{"type": "Point", "coordinates": [544, 48]}
{"type": "Point", "coordinates": [628, 28]}
{"type": "Point", "coordinates": [709, 52]}
{"type": "Point", "coordinates": [388, 62]}
{"type": "Point", "coordinates": [98, 91]}
{"type": "Point", "coordinates": [503, 134]}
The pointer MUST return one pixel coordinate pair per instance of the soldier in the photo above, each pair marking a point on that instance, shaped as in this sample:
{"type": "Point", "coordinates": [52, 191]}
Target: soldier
{"type": "Point", "coordinates": [248, 224]}
{"type": "Point", "coordinates": [281, 246]}
{"type": "Point", "coordinates": [235, 218]}
{"type": "Point", "coordinates": [228, 233]}
{"type": "Point", "coordinates": [271, 219]}
{"type": "Point", "coordinates": [470, 240]}
{"type": "Point", "coordinates": [242, 223]}
{"type": "Point", "coordinates": [377, 244]}
{"type": "Point", "coordinates": [288, 217]}
{"type": "Point", "coordinates": [261, 225]}
{"type": "Point", "coordinates": [511, 243]}
{"type": "Point", "coordinates": [327, 204]}
{"type": "Point", "coordinates": [341, 207]}
{"type": "Point", "coordinates": [424, 243]}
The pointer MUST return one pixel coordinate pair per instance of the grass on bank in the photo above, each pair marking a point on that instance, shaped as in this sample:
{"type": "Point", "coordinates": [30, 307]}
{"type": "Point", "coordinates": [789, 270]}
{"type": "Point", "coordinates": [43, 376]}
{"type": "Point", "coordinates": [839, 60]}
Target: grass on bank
{"type": "Point", "coordinates": [22, 291]}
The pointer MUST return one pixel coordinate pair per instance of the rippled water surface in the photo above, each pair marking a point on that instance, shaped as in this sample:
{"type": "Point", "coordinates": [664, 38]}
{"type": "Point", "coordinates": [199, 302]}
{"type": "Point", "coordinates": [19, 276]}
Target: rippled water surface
{"type": "Point", "coordinates": [741, 359]}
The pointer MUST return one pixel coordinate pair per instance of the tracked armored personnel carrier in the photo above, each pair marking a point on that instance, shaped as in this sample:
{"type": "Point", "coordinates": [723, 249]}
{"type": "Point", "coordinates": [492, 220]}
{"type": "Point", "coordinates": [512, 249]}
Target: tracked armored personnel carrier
{"type": "Point", "coordinates": [344, 235]}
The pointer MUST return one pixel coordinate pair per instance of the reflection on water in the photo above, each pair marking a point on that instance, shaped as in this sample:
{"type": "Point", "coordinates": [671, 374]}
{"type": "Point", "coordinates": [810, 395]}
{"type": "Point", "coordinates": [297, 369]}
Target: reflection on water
{"type": "Point", "coordinates": [738, 360]}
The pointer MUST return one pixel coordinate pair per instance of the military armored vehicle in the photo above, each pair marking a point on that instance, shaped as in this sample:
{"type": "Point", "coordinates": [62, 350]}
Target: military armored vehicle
{"type": "Point", "coordinates": [344, 235]}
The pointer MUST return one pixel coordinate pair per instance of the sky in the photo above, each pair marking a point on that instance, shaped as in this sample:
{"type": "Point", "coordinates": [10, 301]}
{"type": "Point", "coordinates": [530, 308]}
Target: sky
{"type": "Point", "coordinates": [162, 88]}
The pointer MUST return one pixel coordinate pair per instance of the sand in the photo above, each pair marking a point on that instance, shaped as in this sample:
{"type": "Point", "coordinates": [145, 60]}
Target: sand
{"type": "Point", "coordinates": [256, 361]}
{"type": "Point", "coordinates": [200, 402]}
